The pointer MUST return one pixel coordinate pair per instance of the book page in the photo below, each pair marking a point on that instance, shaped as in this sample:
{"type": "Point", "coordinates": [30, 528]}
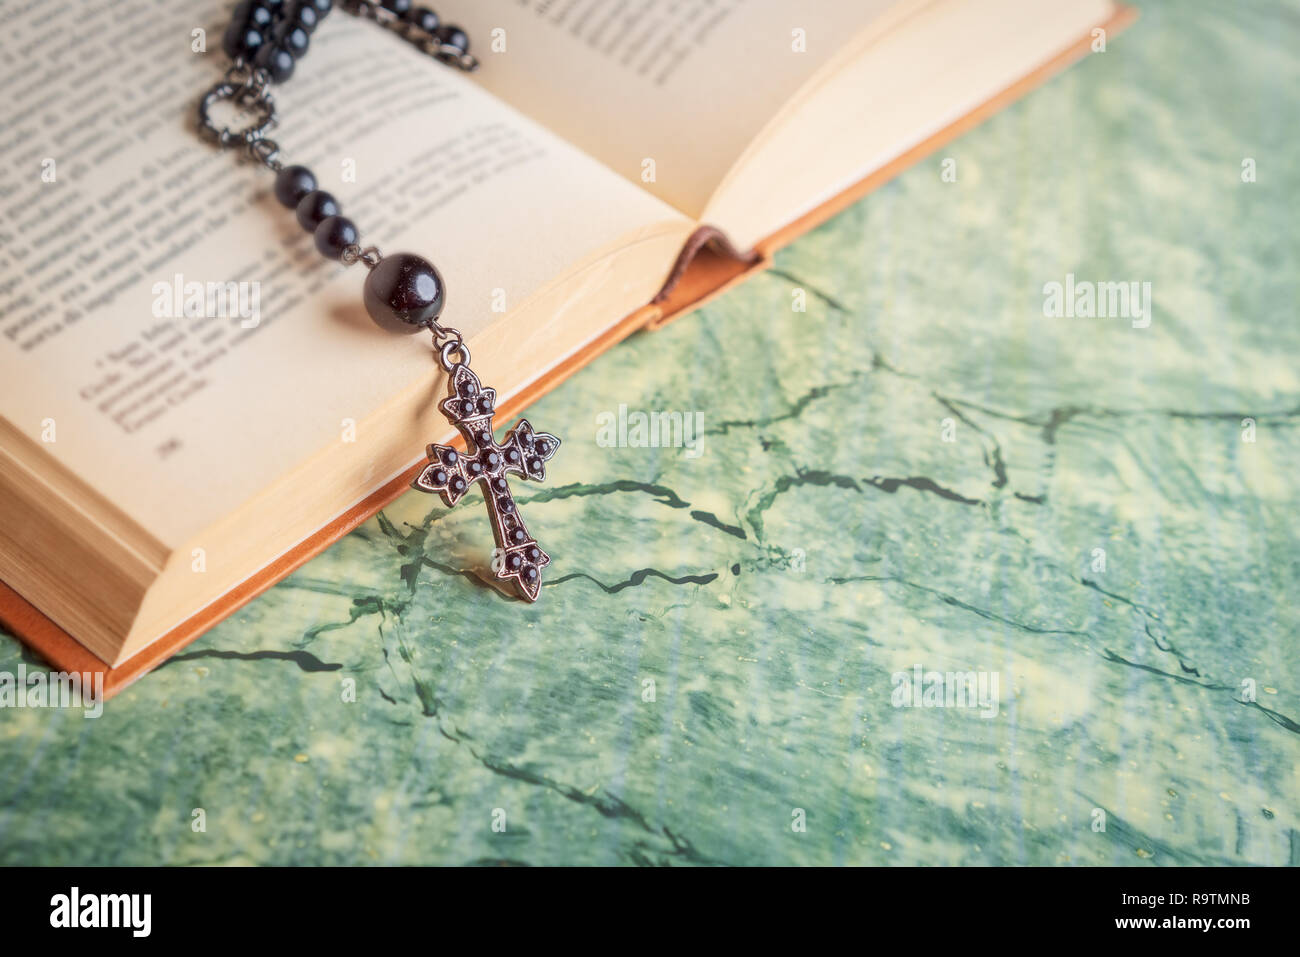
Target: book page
{"type": "Point", "coordinates": [668, 93]}
{"type": "Point", "coordinates": [927, 73]}
{"type": "Point", "coordinates": [168, 332]}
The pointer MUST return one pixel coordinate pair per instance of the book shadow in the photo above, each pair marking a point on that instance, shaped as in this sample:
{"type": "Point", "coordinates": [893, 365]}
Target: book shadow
{"type": "Point", "coordinates": [353, 317]}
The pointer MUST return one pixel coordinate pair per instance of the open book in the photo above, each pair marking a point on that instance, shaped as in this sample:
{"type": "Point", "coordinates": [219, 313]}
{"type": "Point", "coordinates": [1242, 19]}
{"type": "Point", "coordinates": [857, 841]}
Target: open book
{"type": "Point", "coordinates": [158, 467]}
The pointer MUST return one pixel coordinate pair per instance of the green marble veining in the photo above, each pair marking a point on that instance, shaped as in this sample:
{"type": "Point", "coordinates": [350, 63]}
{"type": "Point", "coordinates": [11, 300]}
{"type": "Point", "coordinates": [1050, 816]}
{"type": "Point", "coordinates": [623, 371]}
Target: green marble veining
{"type": "Point", "coordinates": [826, 537]}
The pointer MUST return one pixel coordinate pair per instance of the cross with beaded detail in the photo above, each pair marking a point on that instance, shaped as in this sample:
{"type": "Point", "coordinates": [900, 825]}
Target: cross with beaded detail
{"type": "Point", "coordinates": [522, 452]}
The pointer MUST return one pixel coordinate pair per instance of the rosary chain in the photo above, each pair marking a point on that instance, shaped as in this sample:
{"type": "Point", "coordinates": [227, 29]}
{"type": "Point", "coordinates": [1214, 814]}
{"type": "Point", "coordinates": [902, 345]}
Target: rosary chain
{"type": "Point", "coordinates": [426, 42]}
{"type": "Point", "coordinates": [249, 88]}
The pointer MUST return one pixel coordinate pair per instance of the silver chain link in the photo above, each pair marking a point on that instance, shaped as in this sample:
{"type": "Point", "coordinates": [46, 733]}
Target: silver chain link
{"type": "Point", "coordinates": [248, 89]}
{"type": "Point", "coordinates": [448, 341]}
{"type": "Point", "coordinates": [353, 253]}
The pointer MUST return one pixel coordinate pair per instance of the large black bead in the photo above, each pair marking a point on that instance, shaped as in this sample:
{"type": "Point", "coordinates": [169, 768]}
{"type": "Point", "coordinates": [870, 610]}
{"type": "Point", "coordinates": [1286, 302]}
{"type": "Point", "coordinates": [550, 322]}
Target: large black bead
{"type": "Point", "coordinates": [400, 7]}
{"type": "Point", "coordinates": [404, 293]}
{"type": "Point", "coordinates": [334, 235]}
{"type": "Point", "coordinates": [315, 207]}
{"type": "Point", "coordinates": [293, 183]}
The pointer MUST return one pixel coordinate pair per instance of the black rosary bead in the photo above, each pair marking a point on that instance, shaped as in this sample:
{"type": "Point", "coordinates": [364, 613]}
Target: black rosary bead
{"type": "Point", "coordinates": [400, 7]}
{"type": "Point", "coordinates": [275, 60]}
{"type": "Point", "coordinates": [294, 39]}
{"type": "Point", "coordinates": [335, 234]}
{"type": "Point", "coordinates": [305, 16]}
{"type": "Point", "coordinates": [321, 7]}
{"type": "Point", "coordinates": [451, 35]}
{"type": "Point", "coordinates": [293, 183]}
{"type": "Point", "coordinates": [404, 293]}
{"type": "Point", "coordinates": [422, 18]}
{"type": "Point", "coordinates": [259, 15]}
{"type": "Point", "coordinates": [241, 41]}
{"type": "Point", "coordinates": [315, 207]}
{"type": "Point", "coordinates": [243, 12]}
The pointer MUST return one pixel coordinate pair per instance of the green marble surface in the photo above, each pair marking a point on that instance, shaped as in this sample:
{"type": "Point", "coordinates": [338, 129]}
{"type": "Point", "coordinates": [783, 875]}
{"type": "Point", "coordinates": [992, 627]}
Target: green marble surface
{"type": "Point", "coordinates": [826, 538]}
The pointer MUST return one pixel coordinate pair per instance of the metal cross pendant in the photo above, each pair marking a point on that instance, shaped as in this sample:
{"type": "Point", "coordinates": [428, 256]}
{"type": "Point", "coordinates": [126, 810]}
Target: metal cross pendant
{"type": "Point", "coordinates": [522, 452]}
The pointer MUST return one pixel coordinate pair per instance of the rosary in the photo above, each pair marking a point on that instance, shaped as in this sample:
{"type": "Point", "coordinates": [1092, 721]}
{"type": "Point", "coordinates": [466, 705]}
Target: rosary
{"type": "Point", "coordinates": [403, 292]}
